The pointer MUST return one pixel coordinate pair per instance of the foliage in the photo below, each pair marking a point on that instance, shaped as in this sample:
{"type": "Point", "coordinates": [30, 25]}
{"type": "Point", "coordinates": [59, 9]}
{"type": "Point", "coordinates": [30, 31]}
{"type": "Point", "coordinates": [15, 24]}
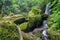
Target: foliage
{"type": "Point", "coordinates": [54, 23]}
{"type": "Point", "coordinates": [54, 35]}
{"type": "Point", "coordinates": [54, 19]}
{"type": "Point", "coordinates": [20, 6]}
{"type": "Point", "coordinates": [8, 31]}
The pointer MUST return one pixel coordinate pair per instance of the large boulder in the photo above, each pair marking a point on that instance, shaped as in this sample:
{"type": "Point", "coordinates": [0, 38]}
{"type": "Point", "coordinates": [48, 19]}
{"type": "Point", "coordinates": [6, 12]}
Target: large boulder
{"type": "Point", "coordinates": [34, 18]}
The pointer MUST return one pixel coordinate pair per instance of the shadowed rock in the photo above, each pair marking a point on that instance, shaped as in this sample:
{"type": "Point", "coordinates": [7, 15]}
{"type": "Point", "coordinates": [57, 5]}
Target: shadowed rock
{"type": "Point", "coordinates": [19, 21]}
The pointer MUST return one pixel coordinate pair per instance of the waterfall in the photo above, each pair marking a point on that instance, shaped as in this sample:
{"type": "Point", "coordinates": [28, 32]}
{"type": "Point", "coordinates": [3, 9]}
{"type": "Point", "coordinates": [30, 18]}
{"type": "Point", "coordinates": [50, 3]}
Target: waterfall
{"type": "Point", "coordinates": [44, 32]}
{"type": "Point", "coordinates": [47, 10]}
{"type": "Point", "coordinates": [45, 25]}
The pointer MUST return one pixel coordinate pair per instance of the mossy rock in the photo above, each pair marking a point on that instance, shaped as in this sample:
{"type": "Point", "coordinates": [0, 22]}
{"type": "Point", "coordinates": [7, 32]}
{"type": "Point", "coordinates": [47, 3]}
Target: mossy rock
{"type": "Point", "coordinates": [31, 17]}
{"type": "Point", "coordinates": [23, 26]}
{"type": "Point", "coordinates": [34, 18]}
{"type": "Point", "coordinates": [12, 18]}
{"type": "Point", "coordinates": [27, 36]}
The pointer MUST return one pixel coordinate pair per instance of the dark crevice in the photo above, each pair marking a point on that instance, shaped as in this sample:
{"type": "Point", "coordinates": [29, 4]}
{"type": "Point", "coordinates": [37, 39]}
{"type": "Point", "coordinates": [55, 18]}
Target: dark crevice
{"type": "Point", "coordinates": [20, 21]}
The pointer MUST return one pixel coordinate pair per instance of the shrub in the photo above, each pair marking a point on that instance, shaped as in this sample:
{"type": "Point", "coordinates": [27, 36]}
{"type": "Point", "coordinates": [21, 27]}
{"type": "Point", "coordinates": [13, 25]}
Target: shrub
{"type": "Point", "coordinates": [8, 32]}
{"type": "Point", "coordinates": [54, 35]}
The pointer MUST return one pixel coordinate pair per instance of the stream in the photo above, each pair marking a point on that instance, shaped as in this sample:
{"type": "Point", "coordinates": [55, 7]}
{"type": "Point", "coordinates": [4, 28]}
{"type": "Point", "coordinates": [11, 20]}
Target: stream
{"type": "Point", "coordinates": [45, 25]}
{"type": "Point", "coordinates": [44, 32]}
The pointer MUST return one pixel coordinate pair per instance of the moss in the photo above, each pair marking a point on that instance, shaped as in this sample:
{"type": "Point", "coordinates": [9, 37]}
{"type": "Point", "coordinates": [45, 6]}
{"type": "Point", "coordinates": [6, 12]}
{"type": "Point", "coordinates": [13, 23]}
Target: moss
{"type": "Point", "coordinates": [34, 17]}
{"type": "Point", "coordinates": [11, 14]}
{"type": "Point", "coordinates": [23, 26]}
{"type": "Point", "coordinates": [30, 37]}
{"type": "Point", "coordinates": [36, 10]}
{"type": "Point", "coordinates": [12, 18]}
{"type": "Point", "coordinates": [44, 16]}
{"type": "Point", "coordinates": [31, 18]}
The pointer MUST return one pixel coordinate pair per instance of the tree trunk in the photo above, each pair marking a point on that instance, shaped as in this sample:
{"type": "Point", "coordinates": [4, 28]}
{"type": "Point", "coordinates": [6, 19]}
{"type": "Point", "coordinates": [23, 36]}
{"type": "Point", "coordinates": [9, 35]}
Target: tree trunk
{"type": "Point", "coordinates": [20, 33]}
{"type": "Point", "coordinates": [2, 10]}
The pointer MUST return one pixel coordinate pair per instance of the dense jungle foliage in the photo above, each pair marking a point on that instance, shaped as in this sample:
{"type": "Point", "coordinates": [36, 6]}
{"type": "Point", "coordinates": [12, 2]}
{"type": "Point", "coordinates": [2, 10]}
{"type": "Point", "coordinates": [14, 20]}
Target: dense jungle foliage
{"type": "Point", "coordinates": [19, 17]}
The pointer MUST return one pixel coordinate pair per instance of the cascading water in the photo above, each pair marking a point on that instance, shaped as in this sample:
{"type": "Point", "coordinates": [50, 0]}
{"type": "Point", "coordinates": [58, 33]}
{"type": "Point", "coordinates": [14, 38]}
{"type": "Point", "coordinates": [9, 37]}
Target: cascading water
{"type": "Point", "coordinates": [44, 32]}
{"type": "Point", "coordinates": [30, 33]}
{"type": "Point", "coordinates": [47, 11]}
{"type": "Point", "coordinates": [45, 25]}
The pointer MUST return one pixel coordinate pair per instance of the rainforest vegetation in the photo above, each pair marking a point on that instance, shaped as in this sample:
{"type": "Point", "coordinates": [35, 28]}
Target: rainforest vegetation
{"type": "Point", "coordinates": [29, 19]}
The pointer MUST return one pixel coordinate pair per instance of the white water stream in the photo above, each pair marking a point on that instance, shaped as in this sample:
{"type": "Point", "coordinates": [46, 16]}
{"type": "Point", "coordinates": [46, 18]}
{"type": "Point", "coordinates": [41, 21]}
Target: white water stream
{"type": "Point", "coordinates": [45, 25]}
